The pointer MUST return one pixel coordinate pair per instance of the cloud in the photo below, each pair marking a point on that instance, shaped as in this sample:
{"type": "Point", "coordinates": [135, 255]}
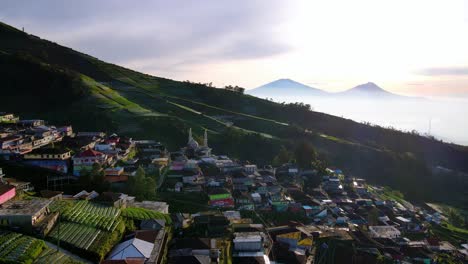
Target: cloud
{"type": "Point", "coordinates": [159, 34]}
{"type": "Point", "coordinates": [415, 84]}
{"type": "Point", "coordinates": [444, 71]}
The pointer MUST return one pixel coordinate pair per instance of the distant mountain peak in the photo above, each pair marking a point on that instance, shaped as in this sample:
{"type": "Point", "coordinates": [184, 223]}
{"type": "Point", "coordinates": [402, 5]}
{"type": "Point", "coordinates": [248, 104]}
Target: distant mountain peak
{"type": "Point", "coordinates": [285, 87]}
{"type": "Point", "coordinates": [369, 89]}
{"type": "Point", "coordinates": [369, 86]}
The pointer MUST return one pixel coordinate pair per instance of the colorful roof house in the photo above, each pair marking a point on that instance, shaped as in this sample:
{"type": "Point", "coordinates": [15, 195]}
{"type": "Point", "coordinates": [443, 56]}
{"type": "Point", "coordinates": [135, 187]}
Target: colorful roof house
{"type": "Point", "coordinates": [57, 159]}
{"type": "Point", "coordinates": [86, 159]}
{"type": "Point", "coordinates": [7, 192]}
{"type": "Point", "coordinates": [295, 240]}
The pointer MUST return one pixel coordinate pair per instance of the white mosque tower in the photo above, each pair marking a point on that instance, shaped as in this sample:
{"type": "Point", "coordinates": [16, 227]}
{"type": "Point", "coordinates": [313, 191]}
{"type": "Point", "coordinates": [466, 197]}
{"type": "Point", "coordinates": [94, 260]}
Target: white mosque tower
{"type": "Point", "coordinates": [205, 139]}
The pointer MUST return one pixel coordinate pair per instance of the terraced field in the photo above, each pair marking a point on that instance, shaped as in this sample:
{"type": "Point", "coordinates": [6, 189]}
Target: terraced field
{"type": "Point", "coordinates": [93, 215]}
{"type": "Point", "coordinates": [80, 236]}
{"type": "Point", "coordinates": [144, 214]}
{"type": "Point", "coordinates": [18, 248]}
{"type": "Point", "coordinates": [51, 255]}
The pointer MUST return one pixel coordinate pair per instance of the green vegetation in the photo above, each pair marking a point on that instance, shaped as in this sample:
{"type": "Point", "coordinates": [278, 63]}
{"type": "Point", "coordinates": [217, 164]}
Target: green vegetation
{"type": "Point", "coordinates": [17, 248]}
{"type": "Point", "coordinates": [185, 202]}
{"type": "Point", "coordinates": [77, 235]}
{"type": "Point", "coordinates": [61, 206]}
{"type": "Point", "coordinates": [141, 186]}
{"type": "Point", "coordinates": [88, 229]}
{"type": "Point", "coordinates": [448, 232]}
{"type": "Point", "coordinates": [93, 215]}
{"type": "Point", "coordinates": [86, 241]}
{"type": "Point", "coordinates": [106, 241]}
{"type": "Point", "coordinates": [390, 194]}
{"type": "Point", "coordinates": [144, 214]}
{"type": "Point", "coordinates": [93, 179]}
{"type": "Point", "coordinates": [445, 258]}
{"type": "Point", "coordinates": [51, 255]}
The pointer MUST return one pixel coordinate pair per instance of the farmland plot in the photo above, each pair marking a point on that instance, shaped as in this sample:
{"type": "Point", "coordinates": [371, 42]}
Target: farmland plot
{"type": "Point", "coordinates": [93, 215]}
{"type": "Point", "coordinates": [51, 255]}
{"type": "Point", "coordinates": [144, 214]}
{"type": "Point", "coordinates": [18, 248]}
{"type": "Point", "coordinates": [77, 235]}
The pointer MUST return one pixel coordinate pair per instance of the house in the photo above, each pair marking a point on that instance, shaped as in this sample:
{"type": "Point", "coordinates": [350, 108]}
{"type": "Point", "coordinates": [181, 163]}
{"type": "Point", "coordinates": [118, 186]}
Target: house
{"type": "Point", "coordinates": [105, 147]}
{"type": "Point", "coordinates": [161, 207]}
{"type": "Point", "coordinates": [9, 141]}
{"type": "Point", "coordinates": [86, 159]}
{"type": "Point", "coordinates": [66, 130]}
{"type": "Point", "coordinates": [256, 198]}
{"type": "Point", "coordinates": [19, 185]}
{"type": "Point", "coordinates": [308, 210]}
{"type": "Point", "coordinates": [220, 197]}
{"type": "Point", "coordinates": [248, 242]}
{"type": "Point", "coordinates": [84, 195]}
{"type": "Point", "coordinates": [250, 168]}
{"type": "Point", "coordinates": [143, 244]}
{"type": "Point", "coordinates": [24, 213]}
{"type": "Point", "coordinates": [117, 200]}
{"type": "Point", "coordinates": [57, 159]}
{"type": "Point", "coordinates": [213, 224]}
{"type": "Point", "coordinates": [115, 175]}
{"type": "Point", "coordinates": [91, 134]}
{"type": "Point", "coordinates": [32, 122]}
{"type": "Point", "coordinates": [79, 143]}
{"type": "Point", "coordinates": [7, 192]}
{"type": "Point", "coordinates": [8, 118]}
{"type": "Point", "coordinates": [152, 224]}
{"type": "Point", "coordinates": [296, 240]}
{"type": "Point", "coordinates": [194, 250]}
{"type": "Point", "coordinates": [248, 248]}
{"type": "Point", "coordinates": [384, 232]}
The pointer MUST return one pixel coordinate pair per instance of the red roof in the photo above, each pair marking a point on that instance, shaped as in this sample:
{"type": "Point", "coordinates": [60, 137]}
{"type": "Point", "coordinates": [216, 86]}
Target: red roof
{"type": "Point", "coordinates": [4, 188]}
{"type": "Point", "coordinates": [90, 153]}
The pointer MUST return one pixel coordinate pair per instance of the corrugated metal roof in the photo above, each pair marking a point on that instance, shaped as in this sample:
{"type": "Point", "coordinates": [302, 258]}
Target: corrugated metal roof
{"type": "Point", "coordinates": [133, 248]}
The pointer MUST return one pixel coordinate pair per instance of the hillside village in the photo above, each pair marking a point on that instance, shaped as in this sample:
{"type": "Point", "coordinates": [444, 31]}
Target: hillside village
{"type": "Point", "coordinates": [149, 204]}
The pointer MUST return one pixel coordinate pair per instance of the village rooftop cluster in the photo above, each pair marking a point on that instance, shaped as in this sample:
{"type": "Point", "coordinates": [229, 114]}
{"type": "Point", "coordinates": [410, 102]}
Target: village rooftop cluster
{"type": "Point", "coordinates": [247, 213]}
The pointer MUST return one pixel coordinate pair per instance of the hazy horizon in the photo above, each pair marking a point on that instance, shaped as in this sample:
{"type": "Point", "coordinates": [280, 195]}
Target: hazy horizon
{"type": "Point", "coordinates": [437, 117]}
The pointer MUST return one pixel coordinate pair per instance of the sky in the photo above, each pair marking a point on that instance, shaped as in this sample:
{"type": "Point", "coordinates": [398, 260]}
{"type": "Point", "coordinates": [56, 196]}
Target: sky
{"type": "Point", "coordinates": [407, 47]}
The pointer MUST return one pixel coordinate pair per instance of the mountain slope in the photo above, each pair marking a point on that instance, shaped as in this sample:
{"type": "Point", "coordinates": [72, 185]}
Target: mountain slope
{"type": "Point", "coordinates": [41, 79]}
{"type": "Point", "coordinates": [285, 87]}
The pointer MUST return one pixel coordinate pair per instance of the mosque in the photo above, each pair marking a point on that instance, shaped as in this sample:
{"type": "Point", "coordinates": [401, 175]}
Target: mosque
{"type": "Point", "coordinates": [193, 149]}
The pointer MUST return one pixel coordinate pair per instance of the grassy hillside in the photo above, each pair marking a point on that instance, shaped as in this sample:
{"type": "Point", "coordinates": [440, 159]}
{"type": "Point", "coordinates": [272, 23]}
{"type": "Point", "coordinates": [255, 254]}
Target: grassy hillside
{"type": "Point", "coordinates": [45, 80]}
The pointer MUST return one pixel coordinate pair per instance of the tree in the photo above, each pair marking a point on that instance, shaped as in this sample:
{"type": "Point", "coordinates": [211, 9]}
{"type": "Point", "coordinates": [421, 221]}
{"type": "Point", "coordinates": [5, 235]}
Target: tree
{"type": "Point", "coordinates": [141, 186]}
{"type": "Point", "coordinates": [305, 154]}
{"type": "Point", "coordinates": [284, 156]}
{"type": "Point", "coordinates": [455, 218]}
{"type": "Point", "coordinates": [97, 174]}
{"type": "Point", "coordinates": [150, 188]}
